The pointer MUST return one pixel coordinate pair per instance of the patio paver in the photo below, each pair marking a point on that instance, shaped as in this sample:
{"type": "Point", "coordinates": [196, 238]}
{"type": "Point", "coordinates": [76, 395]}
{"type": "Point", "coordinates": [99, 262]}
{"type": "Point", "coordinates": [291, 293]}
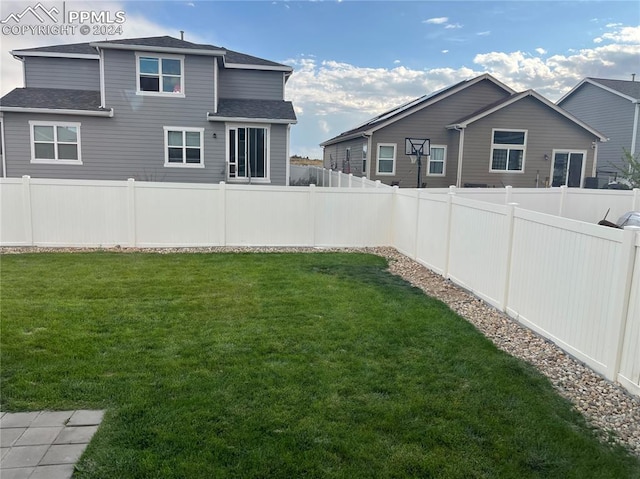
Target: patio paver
{"type": "Point", "coordinates": [44, 444]}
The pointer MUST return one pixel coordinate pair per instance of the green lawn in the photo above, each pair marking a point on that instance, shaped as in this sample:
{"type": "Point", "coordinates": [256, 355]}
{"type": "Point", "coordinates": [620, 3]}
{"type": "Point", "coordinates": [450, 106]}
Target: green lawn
{"type": "Point", "coordinates": [277, 365]}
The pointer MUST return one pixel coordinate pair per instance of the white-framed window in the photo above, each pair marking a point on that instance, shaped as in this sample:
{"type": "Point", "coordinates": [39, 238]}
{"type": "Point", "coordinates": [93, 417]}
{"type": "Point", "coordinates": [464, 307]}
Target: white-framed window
{"type": "Point", "coordinates": [160, 75]}
{"type": "Point", "coordinates": [386, 159]}
{"type": "Point", "coordinates": [437, 163]}
{"type": "Point", "coordinates": [365, 147]}
{"type": "Point", "coordinates": [183, 147]}
{"type": "Point", "coordinates": [508, 149]}
{"type": "Point", "coordinates": [55, 142]}
{"type": "Point", "coordinates": [248, 153]}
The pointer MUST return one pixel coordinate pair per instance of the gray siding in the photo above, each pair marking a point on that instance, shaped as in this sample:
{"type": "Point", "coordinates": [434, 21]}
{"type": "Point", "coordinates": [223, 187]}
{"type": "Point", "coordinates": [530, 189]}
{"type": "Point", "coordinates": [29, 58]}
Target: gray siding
{"type": "Point", "coordinates": [608, 113]}
{"type": "Point", "coordinates": [546, 130]}
{"type": "Point", "coordinates": [250, 84]}
{"type": "Point", "coordinates": [66, 73]}
{"type": "Point", "coordinates": [339, 154]}
{"type": "Point", "coordinates": [430, 123]}
{"type": "Point", "coordinates": [131, 144]}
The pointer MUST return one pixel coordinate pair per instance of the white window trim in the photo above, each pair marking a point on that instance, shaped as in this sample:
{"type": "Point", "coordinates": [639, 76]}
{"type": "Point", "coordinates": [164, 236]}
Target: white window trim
{"type": "Point", "coordinates": [183, 129]}
{"type": "Point", "coordinates": [395, 154]}
{"type": "Point", "coordinates": [160, 93]}
{"type": "Point", "coordinates": [503, 146]}
{"type": "Point", "coordinates": [569, 152]}
{"type": "Point", "coordinates": [54, 124]}
{"type": "Point", "coordinates": [267, 166]}
{"type": "Point", "coordinates": [444, 162]}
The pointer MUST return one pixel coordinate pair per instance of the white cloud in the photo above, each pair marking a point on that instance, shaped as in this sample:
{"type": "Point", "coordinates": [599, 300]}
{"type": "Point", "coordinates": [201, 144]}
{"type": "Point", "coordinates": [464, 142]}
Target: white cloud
{"type": "Point", "coordinates": [396, 62]}
{"type": "Point", "coordinates": [541, 51]}
{"type": "Point", "coordinates": [452, 26]}
{"type": "Point", "coordinates": [444, 51]}
{"type": "Point", "coordinates": [484, 34]}
{"type": "Point", "coordinates": [436, 21]}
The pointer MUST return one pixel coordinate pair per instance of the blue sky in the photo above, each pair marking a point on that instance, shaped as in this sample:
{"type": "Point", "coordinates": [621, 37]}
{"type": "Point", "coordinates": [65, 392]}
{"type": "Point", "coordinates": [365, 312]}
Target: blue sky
{"type": "Point", "coordinates": [355, 59]}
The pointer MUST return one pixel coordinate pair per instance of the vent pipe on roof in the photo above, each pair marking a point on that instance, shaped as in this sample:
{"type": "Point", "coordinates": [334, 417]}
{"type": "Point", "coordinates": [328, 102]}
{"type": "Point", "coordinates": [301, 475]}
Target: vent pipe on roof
{"type": "Point", "coordinates": [181, 34]}
{"type": "Point", "coordinates": [633, 77]}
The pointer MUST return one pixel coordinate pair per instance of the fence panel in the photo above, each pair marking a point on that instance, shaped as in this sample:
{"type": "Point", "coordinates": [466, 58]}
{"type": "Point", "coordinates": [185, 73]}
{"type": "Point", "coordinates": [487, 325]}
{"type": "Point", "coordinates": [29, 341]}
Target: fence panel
{"type": "Point", "coordinates": [184, 214]}
{"type": "Point", "coordinates": [405, 221]}
{"type": "Point", "coordinates": [629, 375]}
{"type": "Point", "coordinates": [433, 232]}
{"type": "Point", "coordinates": [563, 273]}
{"type": "Point", "coordinates": [478, 248]}
{"type": "Point", "coordinates": [14, 218]}
{"type": "Point", "coordinates": [268, 216]}
{"type": "Point", "coordinates": [353, 217]}
{"type": "Point", "coordinates": [590, 206]}
{"type": "Point", "coordinates": [68, 213]}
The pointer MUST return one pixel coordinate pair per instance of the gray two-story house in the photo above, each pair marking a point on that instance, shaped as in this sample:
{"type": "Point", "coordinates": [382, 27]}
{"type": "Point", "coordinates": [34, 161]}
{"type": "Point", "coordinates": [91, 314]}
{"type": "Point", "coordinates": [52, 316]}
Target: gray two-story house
{"type": "Point", "coordinates": [481, 133]}
{"type": "Point", "coordinates": [613, 107]}
{"type": "Point", "coordinates": [152, 109]}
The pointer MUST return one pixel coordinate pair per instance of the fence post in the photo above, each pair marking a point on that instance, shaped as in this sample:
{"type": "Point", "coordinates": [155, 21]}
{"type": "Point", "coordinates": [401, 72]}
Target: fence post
{"type": "Point", "coordinates": [364, 181]}
{"type": "Point", "coordinates": [223, 213]}
{"type": "Point", "coordinates": [131, 211]}
{"type": "Point", "coordinates": [635, 206]}
{"type": "Point", "coordinates": [312, 213]}
{"type": "Point", "coordinates": [26, 201]}
{"type": "Point", "coordinates": [563, 197]}
{"type": "Point", "coordinates": [450, 195]}
{"type": "Point", "coordinates": [350, 180]}
{"type": "Point", "coordinates": [378, 183]}
{"type": "Point", "coordinates": [621, 297]}
{"type": "Point", "coordinates": [508, 194]}
{"type": "Point", "coordinates": [509, 254]}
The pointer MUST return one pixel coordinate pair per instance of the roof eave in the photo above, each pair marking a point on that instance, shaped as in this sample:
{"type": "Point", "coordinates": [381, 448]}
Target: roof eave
{"type": "Point", "coordinates": [149, 48]}
{"type": "Point", "coordinates": [240, 119]}
{"type": "Point", "coordinates": [595, 83]}
{"type": "Point", "coordinates": [250, 66]}
{"type": "Point", "coordinates": [85, 56]}
{"type": "Point", "coordinates": [340, 139]}
{"type": "Point", "coordinates": [58, 111]}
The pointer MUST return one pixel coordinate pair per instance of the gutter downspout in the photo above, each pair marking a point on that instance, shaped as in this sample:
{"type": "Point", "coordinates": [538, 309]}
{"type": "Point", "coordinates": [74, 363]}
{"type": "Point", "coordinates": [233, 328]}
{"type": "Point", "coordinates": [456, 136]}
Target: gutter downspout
{"type": "Point", "coordinates": [4, 149]}
{"type": "Point", "coordinates": [103, 94]}
{"type": "Point", "coordinates": [460, 155]}
{"type": "Point", "coordinates": [594, 171]}
{"type": "Point", "coordinates": [634, 136]}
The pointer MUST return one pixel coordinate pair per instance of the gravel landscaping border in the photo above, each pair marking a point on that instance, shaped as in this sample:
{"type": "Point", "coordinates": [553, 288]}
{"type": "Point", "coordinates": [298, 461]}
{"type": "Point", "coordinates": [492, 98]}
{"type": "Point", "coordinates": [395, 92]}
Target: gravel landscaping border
{"type": "Point", "coordinates": [607, 406]}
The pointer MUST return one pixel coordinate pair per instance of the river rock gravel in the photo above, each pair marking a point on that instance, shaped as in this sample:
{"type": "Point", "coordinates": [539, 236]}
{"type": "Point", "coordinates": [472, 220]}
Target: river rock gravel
{"type": "Point", "coordinates": [608, 407]}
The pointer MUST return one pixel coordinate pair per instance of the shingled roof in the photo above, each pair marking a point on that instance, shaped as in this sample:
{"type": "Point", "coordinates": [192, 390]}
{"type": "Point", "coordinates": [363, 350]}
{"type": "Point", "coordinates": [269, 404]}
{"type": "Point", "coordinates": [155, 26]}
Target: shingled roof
{"type": "Point", "coordinates": [626, 87]}
{"type": "Point", "coordinates": [255, 110]}
{"type": "Point", "coordinates": [163, 42]}
{"type": "Point", "coordinates": [52, 99]}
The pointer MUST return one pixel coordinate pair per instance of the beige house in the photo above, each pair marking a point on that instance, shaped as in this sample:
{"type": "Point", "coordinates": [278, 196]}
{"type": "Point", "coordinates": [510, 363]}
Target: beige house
{"type": "Point", "coordinates": [480, 132]}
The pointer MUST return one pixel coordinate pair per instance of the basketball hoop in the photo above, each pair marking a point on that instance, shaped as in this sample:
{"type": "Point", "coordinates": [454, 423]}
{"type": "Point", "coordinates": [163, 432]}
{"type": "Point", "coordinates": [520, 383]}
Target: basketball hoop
{"type": "Point", "coordinates": [415, 149]}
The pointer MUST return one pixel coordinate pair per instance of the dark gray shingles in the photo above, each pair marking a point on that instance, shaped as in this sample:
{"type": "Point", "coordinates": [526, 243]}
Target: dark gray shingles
{"type": "Point", "coordinates": [75, 48]}
{"type": "Point", "coordinates": [626, 87]}
{"type": "Point", "coordinates": [256, 109]}
{"type": "Point", "coordinates": [163, 42]}
{"type": "Point", "coordinates": [244, 59]}
{"type": "Point", "coordinates": [52, 98]}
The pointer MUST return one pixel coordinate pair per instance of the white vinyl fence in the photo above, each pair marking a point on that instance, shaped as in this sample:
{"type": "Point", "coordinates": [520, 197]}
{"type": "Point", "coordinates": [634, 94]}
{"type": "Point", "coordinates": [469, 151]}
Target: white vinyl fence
{"type": "Point", "coordinates": [315, 175]}
{"type": "Point", "coordinates": [574, 282]}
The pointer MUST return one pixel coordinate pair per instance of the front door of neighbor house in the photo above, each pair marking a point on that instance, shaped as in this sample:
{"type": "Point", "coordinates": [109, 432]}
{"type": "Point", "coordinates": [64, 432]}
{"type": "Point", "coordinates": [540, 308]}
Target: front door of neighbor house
{"type": "Point", "coordinates": [568, 168]}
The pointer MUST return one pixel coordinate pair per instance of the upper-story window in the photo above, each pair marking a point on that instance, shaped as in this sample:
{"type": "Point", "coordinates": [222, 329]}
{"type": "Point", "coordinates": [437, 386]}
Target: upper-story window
{"type": "Point", "coordinates": [160, 75]}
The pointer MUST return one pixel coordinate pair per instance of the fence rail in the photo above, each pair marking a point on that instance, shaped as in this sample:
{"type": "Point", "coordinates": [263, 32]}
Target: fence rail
{"type": "Point", "coordinates": [574, 282]}
{"type": "Point", "coordinates": [315, 175]}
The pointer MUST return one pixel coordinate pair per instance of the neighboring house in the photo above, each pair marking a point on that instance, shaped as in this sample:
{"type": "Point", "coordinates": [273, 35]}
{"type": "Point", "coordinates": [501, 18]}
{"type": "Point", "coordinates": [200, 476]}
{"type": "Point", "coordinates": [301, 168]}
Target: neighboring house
{"type": "Point", "coordinates": [613, 107]}
{"type": "Point", "coordinates": [153, 109]}
{"type": "Point", "coordinates": [482, 133]}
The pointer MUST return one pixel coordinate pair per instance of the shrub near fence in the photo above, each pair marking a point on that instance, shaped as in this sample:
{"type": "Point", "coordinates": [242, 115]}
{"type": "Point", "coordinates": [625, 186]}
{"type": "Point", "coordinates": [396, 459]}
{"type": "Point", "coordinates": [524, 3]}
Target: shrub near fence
{"type": "Point", "coordinates": [575, 283]}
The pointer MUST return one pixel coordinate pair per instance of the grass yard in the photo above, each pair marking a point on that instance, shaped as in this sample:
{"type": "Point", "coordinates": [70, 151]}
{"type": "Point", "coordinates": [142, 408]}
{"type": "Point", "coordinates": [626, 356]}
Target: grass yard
{"type": "Point", "coordinates": [277, 366]}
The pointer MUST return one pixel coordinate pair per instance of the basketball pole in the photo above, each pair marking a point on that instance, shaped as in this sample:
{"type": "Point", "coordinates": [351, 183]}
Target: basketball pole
{"type": "Point", "coordinates": [419, 155]}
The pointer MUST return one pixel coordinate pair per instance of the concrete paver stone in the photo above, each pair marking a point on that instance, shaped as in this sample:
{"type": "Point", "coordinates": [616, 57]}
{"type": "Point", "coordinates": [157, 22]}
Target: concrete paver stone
{"type": "Point", "coordinates": [9, 436]}
{"type": "Point", "coordinates": [24, 456]}
{"type": "Point", "coordinates": [52, 418]}
{"type": "Point", "coordinates": [76, 435]}
{"type": "Point", "coordinates": [86, 418]}
{"type": "Point", "coordinates": [17, 419]}
{"type": "Point", "coordinates": [18, 473]}
{"type": "Point", "coordinates": [63, 454]}
{"type": "Point", "coordinates": [60, 471]}
{"type": "Point", "coordinates": [35, 436]}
